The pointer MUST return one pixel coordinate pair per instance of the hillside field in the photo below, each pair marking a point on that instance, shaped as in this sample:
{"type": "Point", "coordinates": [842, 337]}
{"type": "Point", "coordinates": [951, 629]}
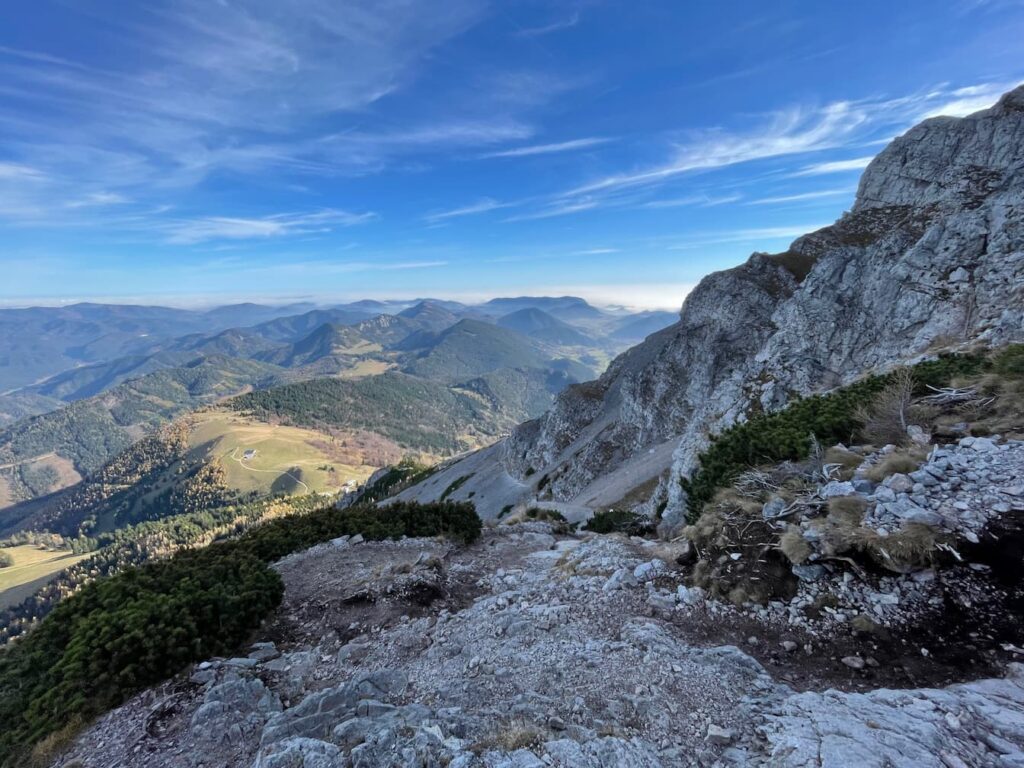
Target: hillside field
{"type": "Point", "coordinates": [267, 458]}
{"type": "Point", "coordinates": [32, 568]}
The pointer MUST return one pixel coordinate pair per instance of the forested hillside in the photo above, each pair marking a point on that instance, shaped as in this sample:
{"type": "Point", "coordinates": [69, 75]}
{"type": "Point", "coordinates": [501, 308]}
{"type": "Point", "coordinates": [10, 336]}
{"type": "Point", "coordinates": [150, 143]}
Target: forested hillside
{"type": "Point", "coordinates": [416, 413]}
{"type": "Point", "coordinates": [87, 433]}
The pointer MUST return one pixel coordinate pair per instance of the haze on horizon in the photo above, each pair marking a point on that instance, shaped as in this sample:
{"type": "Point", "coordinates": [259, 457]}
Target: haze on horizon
{"type": "Point", "coordinates": [195, 153]}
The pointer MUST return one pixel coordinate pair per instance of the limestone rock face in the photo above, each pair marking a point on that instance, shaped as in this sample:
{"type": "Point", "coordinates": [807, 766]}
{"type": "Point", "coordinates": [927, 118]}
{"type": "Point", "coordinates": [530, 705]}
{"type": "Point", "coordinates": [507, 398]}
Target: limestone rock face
{"type": "Point", "coordinates": [930, 258]}
{"type": "Point", "coordinates": [656, 389]}
{"type": "Point", "coordinates": [968, 724]}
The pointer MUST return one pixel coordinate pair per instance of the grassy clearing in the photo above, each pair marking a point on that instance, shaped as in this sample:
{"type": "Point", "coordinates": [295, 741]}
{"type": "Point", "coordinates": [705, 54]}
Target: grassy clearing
{"type": "Point", "coordinates": [286, 458]}
{"type": "Point", "coordinates": [365, 368]}
{"type": "Point", "coordinates": [32, 568]}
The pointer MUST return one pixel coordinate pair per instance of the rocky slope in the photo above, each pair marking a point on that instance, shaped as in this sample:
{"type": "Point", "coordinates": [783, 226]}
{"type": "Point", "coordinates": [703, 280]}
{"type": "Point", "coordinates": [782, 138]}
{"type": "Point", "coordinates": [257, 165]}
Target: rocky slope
{"type": "Point", "coordinates": [930, 257]}
{"type": "Point", "coordinates": [534, 648]}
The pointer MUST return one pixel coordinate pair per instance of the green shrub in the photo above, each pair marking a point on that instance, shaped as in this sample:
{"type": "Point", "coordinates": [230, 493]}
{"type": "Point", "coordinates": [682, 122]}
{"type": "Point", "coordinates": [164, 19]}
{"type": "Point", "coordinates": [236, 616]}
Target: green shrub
{"type": "Point", "coordinates": [454, 486]}
{"type": "Point", "coordinates": [548, 515]}
{"type": "Point", "coordinates": [404, 474]}
{"type": "Point", "coordinates": [1010, 362]}
{"type": "Point", "coordinates": [785, 435]}
{"type": "Point", "coordinates": [277, 538]}
{"type": "Point", "coordinates": [6, 561]}
{"type": "Point", "coordinates": [119, 635]}
{"type": "Point", "coordinates": [619, 521]}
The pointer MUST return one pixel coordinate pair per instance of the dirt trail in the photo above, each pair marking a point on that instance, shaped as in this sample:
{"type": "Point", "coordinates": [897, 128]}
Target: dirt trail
{"type": "Point", "coordinates": [32, 460]}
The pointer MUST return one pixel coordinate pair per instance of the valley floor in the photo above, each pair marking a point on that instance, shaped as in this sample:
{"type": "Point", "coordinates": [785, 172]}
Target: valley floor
{"type": "Point", "coordinates": [531, 649]}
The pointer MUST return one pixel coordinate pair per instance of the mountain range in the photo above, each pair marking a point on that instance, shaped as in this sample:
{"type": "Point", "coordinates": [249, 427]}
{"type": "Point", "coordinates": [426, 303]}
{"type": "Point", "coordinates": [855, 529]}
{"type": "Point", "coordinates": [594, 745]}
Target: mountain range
{"type": "Point", "coordinates": [125, 373]}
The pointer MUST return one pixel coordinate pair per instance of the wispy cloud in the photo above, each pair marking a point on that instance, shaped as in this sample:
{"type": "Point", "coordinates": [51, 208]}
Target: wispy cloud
{"type": "Point", "coordinates": [559, 209]}
{"type": "Point", "coordinates": [752, 235]}
{"type": "Point", "coordinates": [192, 231]}
{"type": "Point", "coordinates": [547, 149]}
{"type": "Point", "coordinates": [835, 166]}
{"type": "Point", "coordinates": [241, 87]}
{"type": "Point", "coordinates": [483, 206]}
{"type": "Point", "coordinates": [595, 251]}
{"type": "Point", "coordinates": [791, 132]}
{"type": "Point", "coordinates": [699, 201]}
{"type": "Point", "coordinates": [786, 133]}
{"type": "Point", "coordinates": [99, 199]}
{"type": "Point", "coordinates": [965, 101]}
{"type": "Point", "coordinates": [402, 265]}
{"type": "Point", "coordinates": [16, 172]}
{"type": "Point", "coordinates": [816, 195]}
{"type": "Point", "coordinates": [547, 29]}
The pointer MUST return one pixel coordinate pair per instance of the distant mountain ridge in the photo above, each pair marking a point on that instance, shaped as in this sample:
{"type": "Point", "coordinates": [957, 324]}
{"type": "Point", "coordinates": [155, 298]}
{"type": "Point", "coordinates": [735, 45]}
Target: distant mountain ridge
{"type": "Point", "coordinates": [472, 348]}
{"type": "Point", "coordinates": [114, 402]}
{"type": "Point", "coordinates": [538, 324]}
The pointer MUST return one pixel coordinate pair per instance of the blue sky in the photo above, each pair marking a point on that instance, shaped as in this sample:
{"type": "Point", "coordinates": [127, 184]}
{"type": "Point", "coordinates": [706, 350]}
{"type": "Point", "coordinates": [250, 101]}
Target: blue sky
{"type": "Point", "coordinates": [194, 151]}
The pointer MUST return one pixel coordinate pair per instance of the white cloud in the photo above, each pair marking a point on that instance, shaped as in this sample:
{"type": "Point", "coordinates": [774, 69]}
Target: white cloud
{"type": "Point", "coordinates": [794, 131]}
{"type": "Point", "coordinates": [798, 130]}
{"type": "Point", "coordinates": [595, 251]}
{"type": "Point", "coordinates": [409, 265]}
{"type": "Point", "coordinates": [746, 235]}
{"type": "Point", "coordinates": [16, 172]}
{"type": "Point", "coordinates": [816, 195]}
{"type": "Point", "coordinates": [559, 209]}
{"type": "Point", "coordinates": [699, 201]}
{"type": "Point", "coordinates": [99, 199]}
{"type": "Point", "coordinates": [192, 231]}
{"type": "Point", "coordinates": [451, 133]}
{"type": "Point", "coordinates": [547, 149]}
{"type": "Point", "coordinates": [547, 29]}
{"type": "Point", "coordinates": [241, 87]}
{"type": "Point", "coordinates": [483, 206]}
{"type": "Point", "coordinates": [835, 166]}
{"type": "Point", "coordinates": [966, 101]}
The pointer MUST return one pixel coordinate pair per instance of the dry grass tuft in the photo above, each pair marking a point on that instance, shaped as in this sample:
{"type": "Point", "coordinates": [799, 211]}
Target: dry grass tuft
{"type": "Point", "coordinates": [46, 751]}
{"type": "Point", "coordinates": [671, 551]}
{"type": "Point", "coordinates": [913, 546]}
{"type": "Point", "coordinates": [517, 734]}
{"type": "Point", "coordinates": [900, 461]}
{"type": "Point", "coordinates": [847, 509]}
{"type": "Point", "coordinates": [847, 460]}
{"type": "Point", "coordinates": [794, 546]}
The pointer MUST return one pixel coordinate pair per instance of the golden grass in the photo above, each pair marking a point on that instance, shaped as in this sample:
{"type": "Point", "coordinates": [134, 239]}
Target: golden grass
{"type": "Point", "coordinates": [280, 450]}
{"type": "Point", "coordinates": [913, 546]}
{"type": "Point", "coordinates": [32, 568]}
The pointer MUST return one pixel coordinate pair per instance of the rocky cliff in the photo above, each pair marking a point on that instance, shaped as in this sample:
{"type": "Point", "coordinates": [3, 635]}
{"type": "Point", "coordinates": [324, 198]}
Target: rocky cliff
{"type": "Point", "coordinates": [931, 257]}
